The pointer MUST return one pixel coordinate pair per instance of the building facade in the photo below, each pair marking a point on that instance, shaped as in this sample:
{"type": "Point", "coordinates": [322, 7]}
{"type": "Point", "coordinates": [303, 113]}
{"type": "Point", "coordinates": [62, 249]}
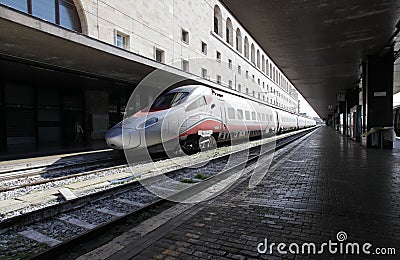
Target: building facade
{"type": "Point", "coordinates": [201, 38]}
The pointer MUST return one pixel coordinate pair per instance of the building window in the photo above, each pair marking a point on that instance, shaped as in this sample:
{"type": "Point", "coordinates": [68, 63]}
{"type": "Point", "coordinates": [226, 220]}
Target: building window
{"type": "Point", "coordinates": [204, 48]}
{"type": "Point", "coordinates": [258, 82]}
{"type": "Point", "coordinates": [273, 74]}
{"type": "Point", "coordinates": [159, 55]}
{"type": "Point", "coordinates": [230, 63]}
{"type": "Point", "coordinates": [258, 58]}
{"type": "Point", "coordinates": [185, 65]}
{"type": "Point", "coordinates": [253, 78]}
{"type": "Point", "coordinates": [204, 73]}
{"type": "Point", "coordinates": [18, 5]}
{"type": "Point", "coordinates": [253, 54]}
{"type": "Point", "coordinates": [185, 36]}
{"type": "Point", "coordinates": [247, 74]}
{"type": "Point", "coordinates": [121, 40]}
{"type": "Point", "coordinates": [239, 88]}
{"type": "Point", "coordinates": [270, 70]}
{"type": "Point", "coordinates": [263, 63]}
{"type": "Point", "coordinates": [246, 47]}
{"type": "Point", "coordinates": [238, 40]}
{"type": "Point", "coordinates": [239, 70]}
{"type": "Point", "coordinates": [44, 10]}
{"type": "Point", "coordinates": [217, 20]}
{"type": "Point", "coordinates": [62, 13]}
{"type": "Point", "coordinates": [247, 91]}
{"type": "Point", "coordinates": [229, 31]}
{"type": "Point", "coordinates": [219, 79]}
{"type": "Point", "coordinates": [218, 56]}
{"type": "Point", "coordinates": [230, 84]}
{"type": "Point", "coordinates": [254, 93]}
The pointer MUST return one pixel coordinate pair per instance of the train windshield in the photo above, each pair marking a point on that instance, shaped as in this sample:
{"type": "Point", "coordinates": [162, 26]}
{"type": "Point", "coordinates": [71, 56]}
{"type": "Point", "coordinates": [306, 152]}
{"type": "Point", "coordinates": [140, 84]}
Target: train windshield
{"type": "Point", "coordinates": [168, 100]}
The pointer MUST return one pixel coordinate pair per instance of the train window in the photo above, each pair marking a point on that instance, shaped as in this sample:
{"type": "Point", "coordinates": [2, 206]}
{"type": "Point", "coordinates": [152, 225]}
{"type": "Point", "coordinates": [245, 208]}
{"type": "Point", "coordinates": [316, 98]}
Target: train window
{"type": "Point", "coordinates": [240, 114]}
{"type": "Point", "coordinates": [253, 115]}
{"type": "Point", "coordinates": [231, 113]}
{"type": "Point", "coordinates": [263, 117]}
{"type": "Point", "coordinates": [247, 114]}
{"type": "Point", "coordinates": [259, 116]}
{"type": "Point", "coordinates": [196, 104]}
{"type": "Point", "coordinates": [168, 100]}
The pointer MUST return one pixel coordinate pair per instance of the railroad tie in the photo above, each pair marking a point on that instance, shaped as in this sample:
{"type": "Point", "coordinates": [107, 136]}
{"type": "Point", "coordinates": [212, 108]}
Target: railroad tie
{"type": "Point", "coordinates": [130, 202]}
{"type": "Point", "coordinates": [39, 237]}
{"type": "Point", "coordinates": [78, 222]}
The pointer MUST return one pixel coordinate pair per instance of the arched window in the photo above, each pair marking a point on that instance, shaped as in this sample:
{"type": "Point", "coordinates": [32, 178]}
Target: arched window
{"type": "Point", "coordinates": [270, 70]}
{"type": "Point", "coordinates": [258, 58]}
{"type": "Point", "coordinates": [217, 20]}
{"type": "Point", "coordinates": [229, 31]}
{"type": "Point", "coordinates": [60, 12]}
{"type": "Point", "coordinates": [273, 74]}
{"type": "Point", "coordinates": [246, 47]}
{"type": "Point", "coordinates": [253, 54]}
{"type": "Point", "coordinates": [263, 63]}
{"type": "Point", "coordinates": [238, 40]}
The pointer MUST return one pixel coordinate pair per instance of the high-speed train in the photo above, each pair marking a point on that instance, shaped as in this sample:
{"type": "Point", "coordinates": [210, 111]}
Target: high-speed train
{"type": "Point", "coordinates": [195, 117]}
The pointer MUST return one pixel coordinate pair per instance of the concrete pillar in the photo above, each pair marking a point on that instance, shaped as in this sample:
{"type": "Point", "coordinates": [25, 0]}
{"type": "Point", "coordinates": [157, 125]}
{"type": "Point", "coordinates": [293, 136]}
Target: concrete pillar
{"type": "Point", "coordinates": [378, 101]}
{"type": "Point", "coordinates": [97, 114]}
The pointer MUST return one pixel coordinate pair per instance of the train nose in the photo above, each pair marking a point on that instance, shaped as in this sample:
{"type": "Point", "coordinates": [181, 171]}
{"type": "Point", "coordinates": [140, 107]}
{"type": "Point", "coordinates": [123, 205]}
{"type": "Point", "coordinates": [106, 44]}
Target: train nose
{"type": "Point", "coordinates": [123, 139]}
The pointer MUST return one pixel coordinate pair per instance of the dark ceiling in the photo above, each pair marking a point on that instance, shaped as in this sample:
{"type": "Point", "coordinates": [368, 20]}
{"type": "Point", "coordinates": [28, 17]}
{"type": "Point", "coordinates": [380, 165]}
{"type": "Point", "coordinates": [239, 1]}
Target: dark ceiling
{"type": "Point", "coordinates": [319, 44]}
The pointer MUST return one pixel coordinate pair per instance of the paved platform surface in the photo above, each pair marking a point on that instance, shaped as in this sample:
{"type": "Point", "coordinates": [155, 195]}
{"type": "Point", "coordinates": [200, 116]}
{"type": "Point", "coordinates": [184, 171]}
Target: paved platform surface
{"type": "Point", "coordinates": [330, 185]}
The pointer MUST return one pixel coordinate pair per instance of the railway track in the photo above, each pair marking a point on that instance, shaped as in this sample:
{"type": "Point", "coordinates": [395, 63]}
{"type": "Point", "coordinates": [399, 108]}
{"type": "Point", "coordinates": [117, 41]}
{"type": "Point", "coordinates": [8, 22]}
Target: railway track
{"type": "Point", "coordinates": [27, 178]}
{"type": "Point", "coordinates": [68, 223]}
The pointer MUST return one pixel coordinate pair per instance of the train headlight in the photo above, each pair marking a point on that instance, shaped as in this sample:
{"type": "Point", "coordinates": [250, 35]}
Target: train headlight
{"type": "Point", "coordinates": [149, 122]}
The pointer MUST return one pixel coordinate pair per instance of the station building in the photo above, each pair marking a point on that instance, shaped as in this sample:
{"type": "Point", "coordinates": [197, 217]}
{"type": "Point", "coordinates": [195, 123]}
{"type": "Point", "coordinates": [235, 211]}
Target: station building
{"type": "Point", "coordinates": [68, 61]}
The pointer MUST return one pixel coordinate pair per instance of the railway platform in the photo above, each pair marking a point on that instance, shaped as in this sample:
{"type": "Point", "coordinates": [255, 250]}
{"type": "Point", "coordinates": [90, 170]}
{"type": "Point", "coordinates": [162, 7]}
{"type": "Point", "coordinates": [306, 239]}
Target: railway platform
{"type": "Point", "coordinates": [328, 189]}
{"type": "Point", "coordinates": [16, 152]}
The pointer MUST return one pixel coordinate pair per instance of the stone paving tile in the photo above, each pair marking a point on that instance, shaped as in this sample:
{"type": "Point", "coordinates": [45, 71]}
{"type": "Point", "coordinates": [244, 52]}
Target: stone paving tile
{"type": "Point", "coordinates": [329, 185]}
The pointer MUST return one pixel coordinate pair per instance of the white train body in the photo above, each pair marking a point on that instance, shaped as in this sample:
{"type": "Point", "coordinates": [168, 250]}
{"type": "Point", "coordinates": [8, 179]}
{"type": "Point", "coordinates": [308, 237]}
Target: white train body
{"type": "Point", "coordinates": [195, 115]}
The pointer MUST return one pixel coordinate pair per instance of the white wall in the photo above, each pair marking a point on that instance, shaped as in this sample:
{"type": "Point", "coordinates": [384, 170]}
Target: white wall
{"type": "Point", "coordinates": [158, 23]}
